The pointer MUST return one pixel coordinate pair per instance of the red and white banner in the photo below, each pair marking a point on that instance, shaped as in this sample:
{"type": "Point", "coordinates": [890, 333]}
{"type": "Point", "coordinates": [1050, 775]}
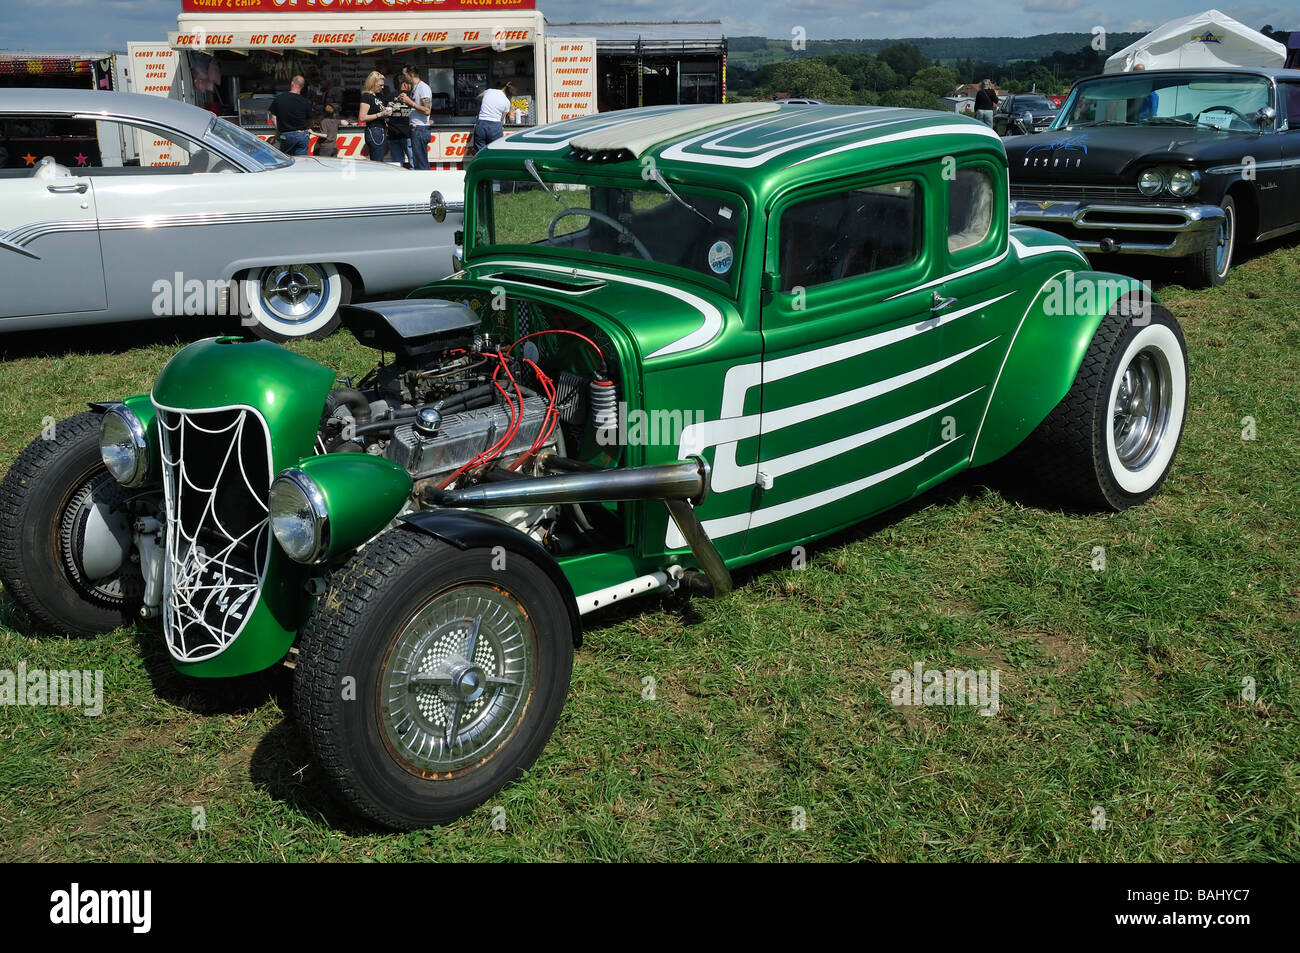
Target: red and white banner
{"type": "Point", "coordinates": [285, 39]}
{"type": "Point", "coordinates": [346, 6]}
{"type": "Point", "coordinates": [447, 148]}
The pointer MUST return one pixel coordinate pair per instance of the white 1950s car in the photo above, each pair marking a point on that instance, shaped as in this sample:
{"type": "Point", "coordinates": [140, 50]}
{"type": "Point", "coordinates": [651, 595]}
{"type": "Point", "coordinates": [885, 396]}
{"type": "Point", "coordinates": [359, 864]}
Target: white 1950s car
{"type": "Point", "coordinates": [117, 207]}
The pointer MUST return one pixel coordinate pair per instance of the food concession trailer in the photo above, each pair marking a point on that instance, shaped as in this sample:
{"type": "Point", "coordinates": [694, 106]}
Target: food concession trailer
{"type": "Point", "coordinates": [236, 55]}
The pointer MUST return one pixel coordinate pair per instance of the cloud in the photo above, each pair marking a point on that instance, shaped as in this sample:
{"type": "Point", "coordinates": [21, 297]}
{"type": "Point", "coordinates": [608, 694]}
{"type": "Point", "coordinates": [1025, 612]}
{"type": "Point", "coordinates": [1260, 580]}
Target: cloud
{"type": "Point", "coordinates": [1052, 6]}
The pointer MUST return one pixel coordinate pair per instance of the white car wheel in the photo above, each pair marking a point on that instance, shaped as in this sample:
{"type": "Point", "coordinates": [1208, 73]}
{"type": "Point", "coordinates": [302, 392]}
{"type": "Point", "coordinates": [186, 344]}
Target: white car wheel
{"type": "Point", "coordinates": [295, 301]}
{"type": "Point", "coordinates": [1148, 398]}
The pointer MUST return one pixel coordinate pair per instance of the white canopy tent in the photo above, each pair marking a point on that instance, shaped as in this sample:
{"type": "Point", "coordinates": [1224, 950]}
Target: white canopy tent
{"type": "Point", "coordinates": [1203, 39]}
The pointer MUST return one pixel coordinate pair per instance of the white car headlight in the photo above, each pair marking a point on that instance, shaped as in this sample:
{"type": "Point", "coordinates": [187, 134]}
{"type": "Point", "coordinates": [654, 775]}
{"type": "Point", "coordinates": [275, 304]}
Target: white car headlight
{"type": "Point", "coordinates": [1183, 182]}
{"type": "Point", "coordinates": [298, 517]}
{"type": "Point", "coordinates": [123, 445]}
{"type": "Point", "coordinates": [1151, 182]}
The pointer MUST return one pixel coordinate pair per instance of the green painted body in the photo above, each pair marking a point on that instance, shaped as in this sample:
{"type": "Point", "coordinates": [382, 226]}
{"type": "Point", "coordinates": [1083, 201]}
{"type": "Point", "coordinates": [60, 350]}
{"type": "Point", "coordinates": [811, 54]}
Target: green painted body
{"type": "Point", "coordinates": [815, 408]}
{"type": "Point", "coordinates": [289, 392]}
{"type": "Point", "coordinates": [362, 495]}
{"type": "Point", "coordinates": [996, 374]}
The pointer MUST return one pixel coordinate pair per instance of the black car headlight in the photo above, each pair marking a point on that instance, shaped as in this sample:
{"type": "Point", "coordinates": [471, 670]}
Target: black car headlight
{"type": "Point", "coordinates": [298, 517]}
{"type": "Point", "coordinates": [1184, 182]}
{"type": "Point", "coordinates": [124, 445]}
{"type": "Point", "coordinates": [1151, 182]}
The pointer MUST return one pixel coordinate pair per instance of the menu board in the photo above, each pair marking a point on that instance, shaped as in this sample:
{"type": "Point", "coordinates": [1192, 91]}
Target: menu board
{"type": "Point", "coordinates": [152, 71]}
{"type": "Point", "coordinates": [571, 69]}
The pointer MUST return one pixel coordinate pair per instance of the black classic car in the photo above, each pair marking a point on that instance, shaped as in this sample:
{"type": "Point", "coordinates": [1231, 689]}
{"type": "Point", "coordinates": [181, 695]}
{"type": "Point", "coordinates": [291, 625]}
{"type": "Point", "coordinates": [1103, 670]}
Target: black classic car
{"type": "Point", "coordinates": [1187, 164]}
{"type": "Point", "coordinates": [1024, 112]}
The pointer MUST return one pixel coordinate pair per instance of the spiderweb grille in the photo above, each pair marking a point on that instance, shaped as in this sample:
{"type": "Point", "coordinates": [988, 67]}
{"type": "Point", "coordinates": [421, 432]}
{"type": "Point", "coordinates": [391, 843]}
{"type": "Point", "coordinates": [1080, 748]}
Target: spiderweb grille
{"type": "Point", "coordinates": [216, 481]}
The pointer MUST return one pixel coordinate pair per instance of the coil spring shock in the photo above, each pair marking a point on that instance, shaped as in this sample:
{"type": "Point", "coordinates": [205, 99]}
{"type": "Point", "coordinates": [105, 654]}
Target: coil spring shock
{"type": "Point", "coordinates": [604, 410]}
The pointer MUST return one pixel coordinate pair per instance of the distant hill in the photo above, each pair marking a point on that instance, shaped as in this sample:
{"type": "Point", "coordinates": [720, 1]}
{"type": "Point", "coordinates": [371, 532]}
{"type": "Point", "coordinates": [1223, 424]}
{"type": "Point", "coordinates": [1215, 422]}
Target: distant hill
{"type": "Point", "coordinates": [753, 51]}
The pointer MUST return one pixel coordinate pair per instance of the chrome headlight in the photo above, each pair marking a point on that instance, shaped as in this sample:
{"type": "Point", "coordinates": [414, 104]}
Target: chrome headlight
{"type": "Point", "coordinates": [1183, 182]}
{"type": "Point", "coordinates": [298, 517]}
{"type": "Point", "coordinates": [1151, 182]}
{"type": "Point", "coordinates": [123, 445]}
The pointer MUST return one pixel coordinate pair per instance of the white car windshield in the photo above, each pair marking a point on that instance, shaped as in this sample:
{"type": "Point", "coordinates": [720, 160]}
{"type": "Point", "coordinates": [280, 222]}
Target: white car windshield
{"type": "Point", "coordinates": [1217, 101]}
{"type": "Point", "coordinates": [262, 153]}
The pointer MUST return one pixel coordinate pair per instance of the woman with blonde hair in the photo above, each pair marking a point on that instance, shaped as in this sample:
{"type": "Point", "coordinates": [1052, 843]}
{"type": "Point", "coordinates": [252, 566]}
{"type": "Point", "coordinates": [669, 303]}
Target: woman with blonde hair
{"type": "Point", "coordinates": [374, 116]}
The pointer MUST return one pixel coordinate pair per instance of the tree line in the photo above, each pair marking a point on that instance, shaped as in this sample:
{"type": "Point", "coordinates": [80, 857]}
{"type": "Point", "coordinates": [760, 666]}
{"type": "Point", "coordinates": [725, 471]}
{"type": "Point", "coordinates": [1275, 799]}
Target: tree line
{"type": "Point", "coordinates": [902, 75]}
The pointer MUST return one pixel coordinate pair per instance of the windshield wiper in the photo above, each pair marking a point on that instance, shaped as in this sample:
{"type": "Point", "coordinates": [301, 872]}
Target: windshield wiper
{"type": "Point", "coordinates": [658, 177]}
{"type": "Point", "coordinates": [1168, 120]}
{"type": "Point", "coordinates": [531, 166]}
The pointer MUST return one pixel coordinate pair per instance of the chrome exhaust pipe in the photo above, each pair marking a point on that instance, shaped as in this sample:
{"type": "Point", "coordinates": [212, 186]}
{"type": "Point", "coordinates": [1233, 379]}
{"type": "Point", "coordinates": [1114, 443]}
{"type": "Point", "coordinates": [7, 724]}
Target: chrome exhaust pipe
{"type": "Point", "coordinates": [679, 485]}
{"type": "Point", "coordinates": [674, 481]}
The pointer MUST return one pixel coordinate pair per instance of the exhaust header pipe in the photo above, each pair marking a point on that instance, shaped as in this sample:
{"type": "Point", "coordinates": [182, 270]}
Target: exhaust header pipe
{"type": "Point", "coordinates": [674, 481]}
{"type": "Point", "coordinates": [678, 485]}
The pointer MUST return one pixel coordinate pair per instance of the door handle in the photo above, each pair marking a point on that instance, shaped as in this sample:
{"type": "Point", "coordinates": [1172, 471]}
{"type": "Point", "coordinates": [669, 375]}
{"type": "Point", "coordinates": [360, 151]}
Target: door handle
{"type": "Point", "coordinates": [77, 187]}
{"type": "Point", "coordinates": [939, 303]}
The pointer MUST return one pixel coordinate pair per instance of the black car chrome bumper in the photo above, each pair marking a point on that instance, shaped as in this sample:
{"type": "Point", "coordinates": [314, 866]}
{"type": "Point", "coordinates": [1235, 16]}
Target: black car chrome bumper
{"type": "Point", "coordinates": [1165, 230]}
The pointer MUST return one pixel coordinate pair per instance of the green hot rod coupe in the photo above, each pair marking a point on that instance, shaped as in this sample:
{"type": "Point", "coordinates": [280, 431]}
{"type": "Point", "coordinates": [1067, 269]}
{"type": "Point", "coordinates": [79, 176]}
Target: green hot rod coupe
{"type": "Point", "coordinates": [682, 339]}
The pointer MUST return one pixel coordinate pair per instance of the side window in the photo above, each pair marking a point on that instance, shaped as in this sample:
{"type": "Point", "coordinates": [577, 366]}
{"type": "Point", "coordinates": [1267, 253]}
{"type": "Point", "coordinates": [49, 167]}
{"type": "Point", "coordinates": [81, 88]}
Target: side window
{"type": "Point", "coordinates": [849, 233]}
{"type": "Point", "coordinates": [970, 208]}
{"type": "Point", "coordinates": [26, 140]}
{"type": "Point", "coordinates": [126, 149]}
{"type": "Point", "coordinates": [1291, 103]}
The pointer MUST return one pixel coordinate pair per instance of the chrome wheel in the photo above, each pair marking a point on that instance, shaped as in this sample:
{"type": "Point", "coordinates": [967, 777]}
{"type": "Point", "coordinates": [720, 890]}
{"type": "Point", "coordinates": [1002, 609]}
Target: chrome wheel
{"type": "Point", "coordinates": [293, 293]}
{"type": "Point", "coordinates": [457, 680]}
{"type": "Point", "coordinates": [1223, 247]}
{"type": "Point", "coordinates": [293, 301]}
{"type": "Point", "coordinates": [1140, 413]}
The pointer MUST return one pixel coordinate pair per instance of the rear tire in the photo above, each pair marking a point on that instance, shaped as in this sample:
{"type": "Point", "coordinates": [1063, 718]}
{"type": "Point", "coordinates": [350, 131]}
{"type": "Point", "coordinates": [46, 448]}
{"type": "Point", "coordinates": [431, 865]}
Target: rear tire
{"type": "Point", "coordinates": [429, 677]}
{"type": "Point", "coordinates": [296, 301]}
{"type": "Point", "coordinates": [1111, 442]}
{"type": "Point", "coordinates": [46, 499]}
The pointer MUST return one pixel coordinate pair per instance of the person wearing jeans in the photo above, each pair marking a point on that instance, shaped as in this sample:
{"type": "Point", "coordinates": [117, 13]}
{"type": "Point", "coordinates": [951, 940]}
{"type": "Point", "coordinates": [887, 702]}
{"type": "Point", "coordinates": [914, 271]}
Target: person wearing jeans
{"type": "Point", "coordinates": [421, 102]}
{"type": "Point", "coordinates": [291, 116]}
{"type": "Point", "coordinates": [986, 100]}
{"type": "Point", "coordinates": [492, 115]}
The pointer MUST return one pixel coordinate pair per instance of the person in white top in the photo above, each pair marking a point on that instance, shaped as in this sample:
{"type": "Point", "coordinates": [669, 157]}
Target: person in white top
{"type": "Point", "coordinates": [492, 115]}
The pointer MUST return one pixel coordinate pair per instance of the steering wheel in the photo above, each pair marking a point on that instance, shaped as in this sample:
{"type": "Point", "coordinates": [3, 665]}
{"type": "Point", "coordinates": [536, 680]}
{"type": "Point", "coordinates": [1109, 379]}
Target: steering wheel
{"type": "Point", "coordinates": [605, 219]}
{"type": "Point", "coordinates": [1225, 109]}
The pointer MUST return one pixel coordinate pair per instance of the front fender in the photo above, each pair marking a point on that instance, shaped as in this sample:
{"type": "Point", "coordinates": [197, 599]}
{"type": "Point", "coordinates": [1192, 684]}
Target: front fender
{"type": "Point", "coordinates": [1047, 352]}
{"type": "Point", "coordinates": [466, 529]}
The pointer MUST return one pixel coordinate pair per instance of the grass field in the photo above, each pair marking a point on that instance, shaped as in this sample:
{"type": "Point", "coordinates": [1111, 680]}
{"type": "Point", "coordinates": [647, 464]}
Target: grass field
{"type": "Point", "coordinates": [1121, 689]}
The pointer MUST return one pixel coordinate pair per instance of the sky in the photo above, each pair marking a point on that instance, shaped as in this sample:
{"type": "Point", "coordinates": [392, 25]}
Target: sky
{"type": "Point", "coordinates": [109, 24]}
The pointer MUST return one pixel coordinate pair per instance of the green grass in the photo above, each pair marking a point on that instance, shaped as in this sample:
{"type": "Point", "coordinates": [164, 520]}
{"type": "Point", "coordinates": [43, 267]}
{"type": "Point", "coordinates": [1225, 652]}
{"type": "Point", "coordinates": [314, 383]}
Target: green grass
{"type": "Point", "coordinates": [1120, 689]}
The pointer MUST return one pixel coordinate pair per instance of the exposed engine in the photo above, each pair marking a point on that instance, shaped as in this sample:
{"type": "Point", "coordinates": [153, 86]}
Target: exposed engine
{"type": "Point", "coordinates": [456, 408]}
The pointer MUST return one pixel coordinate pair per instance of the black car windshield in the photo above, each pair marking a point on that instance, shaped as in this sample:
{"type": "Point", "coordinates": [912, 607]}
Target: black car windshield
{"type": "Point", "coordinates": [263, 154]}
{"type": "Point", "coordinates": [643, 221]}
{"type": "Point", "coordinates": [1033, 103]}
{"type": "Point", "coordinates": [1219, 101]}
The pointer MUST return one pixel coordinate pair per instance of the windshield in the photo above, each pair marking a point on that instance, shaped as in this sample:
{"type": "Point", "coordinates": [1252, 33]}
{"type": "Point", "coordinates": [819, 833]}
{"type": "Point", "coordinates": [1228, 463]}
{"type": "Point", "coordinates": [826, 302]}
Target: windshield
{"type": "Point", "coordinates": [262, 153]}
{"type": "Point", "coordinates": [627, 221]}
{"type": "Point", "coordinates": [1206, 100]}
{"type": "Point", "coordinates": [1033, 102]}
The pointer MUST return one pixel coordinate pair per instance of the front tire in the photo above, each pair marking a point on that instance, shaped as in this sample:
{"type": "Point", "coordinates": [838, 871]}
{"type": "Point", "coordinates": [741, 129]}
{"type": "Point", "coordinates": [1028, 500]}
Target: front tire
{"type": "Point", "coordinates": [1111, 442]}
{"type": "Point", "coordinates": [429, 677]}
{"type": "Point", "coordinates": [60, 521]}
{"type": "Point", "coordinates": [296, 300]}
{"type": "Point", "coordinates": [1209, 267]}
